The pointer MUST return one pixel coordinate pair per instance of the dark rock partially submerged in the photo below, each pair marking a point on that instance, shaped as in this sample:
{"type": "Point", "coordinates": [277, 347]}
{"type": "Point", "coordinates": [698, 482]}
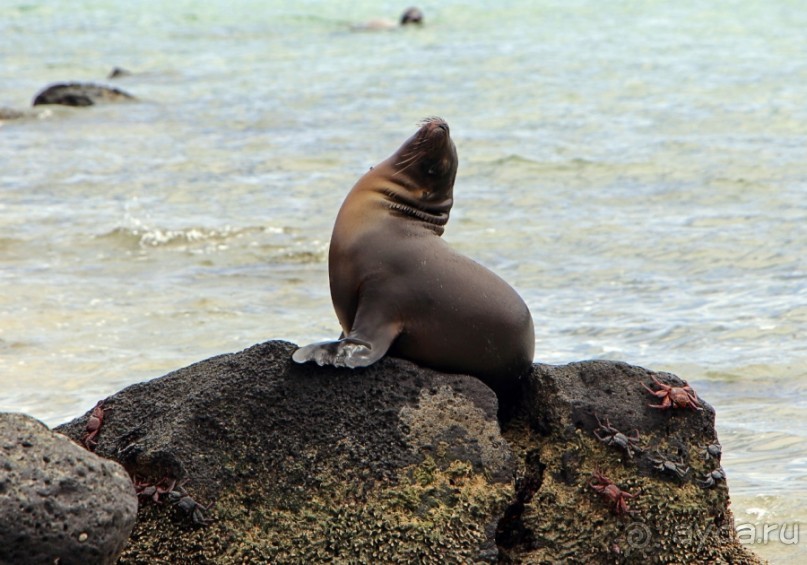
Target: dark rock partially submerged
{"type": "Point", "coordinates": [59, 503]}
{"type": "Point", "coordinates": [396, 463]}
{"type": "Point", "coordinates": [118, 72]}
{"type": "Point", "coordinates": [307, 464]}
{"type": "Point", "coordinates": [80, 94]}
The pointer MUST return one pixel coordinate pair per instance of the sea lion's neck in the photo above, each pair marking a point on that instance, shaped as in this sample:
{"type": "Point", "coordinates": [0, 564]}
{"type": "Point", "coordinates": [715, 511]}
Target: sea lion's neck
{"type": "Point", "coordinates": [433, 216]}
{"type": "Point", "coordinates": [404, 197]}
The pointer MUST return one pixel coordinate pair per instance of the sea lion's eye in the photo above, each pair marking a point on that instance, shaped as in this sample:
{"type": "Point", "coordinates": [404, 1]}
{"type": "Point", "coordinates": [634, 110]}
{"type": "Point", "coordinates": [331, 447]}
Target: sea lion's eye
{"type": "Point", "coordinates": [436, 169]}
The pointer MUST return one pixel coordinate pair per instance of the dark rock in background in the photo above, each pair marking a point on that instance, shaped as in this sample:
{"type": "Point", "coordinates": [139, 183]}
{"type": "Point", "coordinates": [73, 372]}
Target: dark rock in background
{"type": "Point", "coordinates": [80, 94]}
{"type": "Point", "coordinates": [59, 503]}
{"type": "Point", "coordinates": [118, 72]}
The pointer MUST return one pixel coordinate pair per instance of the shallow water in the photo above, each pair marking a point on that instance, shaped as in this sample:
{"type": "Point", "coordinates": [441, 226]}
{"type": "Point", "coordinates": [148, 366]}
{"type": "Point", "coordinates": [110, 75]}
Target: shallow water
{"type": "Point", "coordinates": [637, 173]}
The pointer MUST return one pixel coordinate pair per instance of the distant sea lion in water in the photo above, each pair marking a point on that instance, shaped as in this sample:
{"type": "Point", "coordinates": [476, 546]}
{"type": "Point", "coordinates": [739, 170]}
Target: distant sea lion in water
{"type": "Point", "coordinates": [399, 289]}
{"type": "Point", "coordinates": [410, 16]}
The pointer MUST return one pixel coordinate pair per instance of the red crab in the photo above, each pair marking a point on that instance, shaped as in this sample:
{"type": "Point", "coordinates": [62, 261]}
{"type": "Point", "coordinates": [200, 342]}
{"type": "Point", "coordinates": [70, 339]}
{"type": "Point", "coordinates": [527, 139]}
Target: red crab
{"type": "Point", "coordinates": [674, 396]}
{"type": "Point", "coordinates": [94, 423]}
{"type": "Point", "coordinates": [154, 490]}
{"type": "Point", "coordinates": [613, 493]}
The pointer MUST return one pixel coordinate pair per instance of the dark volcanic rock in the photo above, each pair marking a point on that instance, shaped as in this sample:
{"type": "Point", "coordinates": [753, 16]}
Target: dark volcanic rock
{"type": "Point", "coordinates": [558, 517]}
{"type": "Point", "coordinates": [395, 463]}
{"type": "Point", "coordinates": [59, 503]}
{"type": "Point", "coordinates": [308, 464]}
{"type": "Point", "coordinates": [80, 94]}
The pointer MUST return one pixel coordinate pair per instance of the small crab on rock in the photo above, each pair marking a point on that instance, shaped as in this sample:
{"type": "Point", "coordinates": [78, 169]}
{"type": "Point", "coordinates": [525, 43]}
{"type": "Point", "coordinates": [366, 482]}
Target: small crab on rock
{"type": "Point", "coordinates": [94, 423]}
{"type": "Point", "coordinates": [713, 451]}
{"type": "Point", "coordinates": [154, 490]}
{"type": "Point", "coordinates": [613, 437]}
{"type": "Point", "coordinates": [712, 478]}
{"type": "Point", "coordinates": [674, 396]}
{"type": "Point", "coordinates": [668, 466]}
{"type": "Point", "coordinates": [182, 500]}
{"type": "Point", "coordinates": [613, 493]}
{"type": "Point", "coordinates": [168, 490]}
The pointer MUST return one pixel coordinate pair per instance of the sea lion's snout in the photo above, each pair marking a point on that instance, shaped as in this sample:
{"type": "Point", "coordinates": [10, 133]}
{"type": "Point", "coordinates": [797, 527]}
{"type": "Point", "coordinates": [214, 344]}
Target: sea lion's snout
{"type": "Point", "coordinates": [432, 124]}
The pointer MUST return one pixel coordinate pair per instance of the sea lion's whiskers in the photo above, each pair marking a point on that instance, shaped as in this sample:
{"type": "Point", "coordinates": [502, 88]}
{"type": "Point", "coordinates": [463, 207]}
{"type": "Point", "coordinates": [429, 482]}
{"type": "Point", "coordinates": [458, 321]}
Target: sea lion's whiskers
{"type": "Point", "coordinates": [429, 120]}
{"type": "Point", "coordinates": [417, 150]}
{"type": "Point", "coordinates": [407, 161]}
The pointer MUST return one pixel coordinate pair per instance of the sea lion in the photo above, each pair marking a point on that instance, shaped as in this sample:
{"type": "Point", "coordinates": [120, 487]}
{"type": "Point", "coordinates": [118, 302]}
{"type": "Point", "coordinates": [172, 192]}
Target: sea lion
{"type": "Point", "coordinates": [399, 289]}
{"type": "Point", "coordinates": [411, 15]}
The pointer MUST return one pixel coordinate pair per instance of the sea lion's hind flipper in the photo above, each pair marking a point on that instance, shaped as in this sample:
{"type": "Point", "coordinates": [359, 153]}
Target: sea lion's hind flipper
{"type": "Point", "coordinates": [349, 352]}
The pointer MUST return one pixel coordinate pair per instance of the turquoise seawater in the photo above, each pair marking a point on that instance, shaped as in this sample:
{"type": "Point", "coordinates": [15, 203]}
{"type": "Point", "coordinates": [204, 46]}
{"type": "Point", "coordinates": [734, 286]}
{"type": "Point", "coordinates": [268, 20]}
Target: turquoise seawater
{"type": "Point", "coordinates": [636, 170]}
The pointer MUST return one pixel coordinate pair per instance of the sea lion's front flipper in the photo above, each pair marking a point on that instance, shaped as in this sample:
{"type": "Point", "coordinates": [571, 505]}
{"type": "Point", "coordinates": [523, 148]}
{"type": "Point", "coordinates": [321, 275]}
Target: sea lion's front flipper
{"type": "Point", "coordinates": [340, 353]}
{"type": "Point", "coordinates": [354, 350]}
{"type": "Point", "coordinates": [375, 327]}
{"type": "Point", "coordinates": [322, 353]}
{"type": "Point", "coordinates": [348, 352]}
{"type": "Point", "coordinates": [358, 353]}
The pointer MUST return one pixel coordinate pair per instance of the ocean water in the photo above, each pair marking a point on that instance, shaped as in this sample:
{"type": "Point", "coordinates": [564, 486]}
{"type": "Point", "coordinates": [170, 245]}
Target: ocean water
{"type": "Point", "coordinates": [636, 170]}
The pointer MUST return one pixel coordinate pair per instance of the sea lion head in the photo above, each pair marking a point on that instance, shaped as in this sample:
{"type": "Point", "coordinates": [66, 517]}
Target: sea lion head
{"type": "Point", "coordinates": [426, 164]}
{"type": "Point", "coordinates": [412, 16]}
